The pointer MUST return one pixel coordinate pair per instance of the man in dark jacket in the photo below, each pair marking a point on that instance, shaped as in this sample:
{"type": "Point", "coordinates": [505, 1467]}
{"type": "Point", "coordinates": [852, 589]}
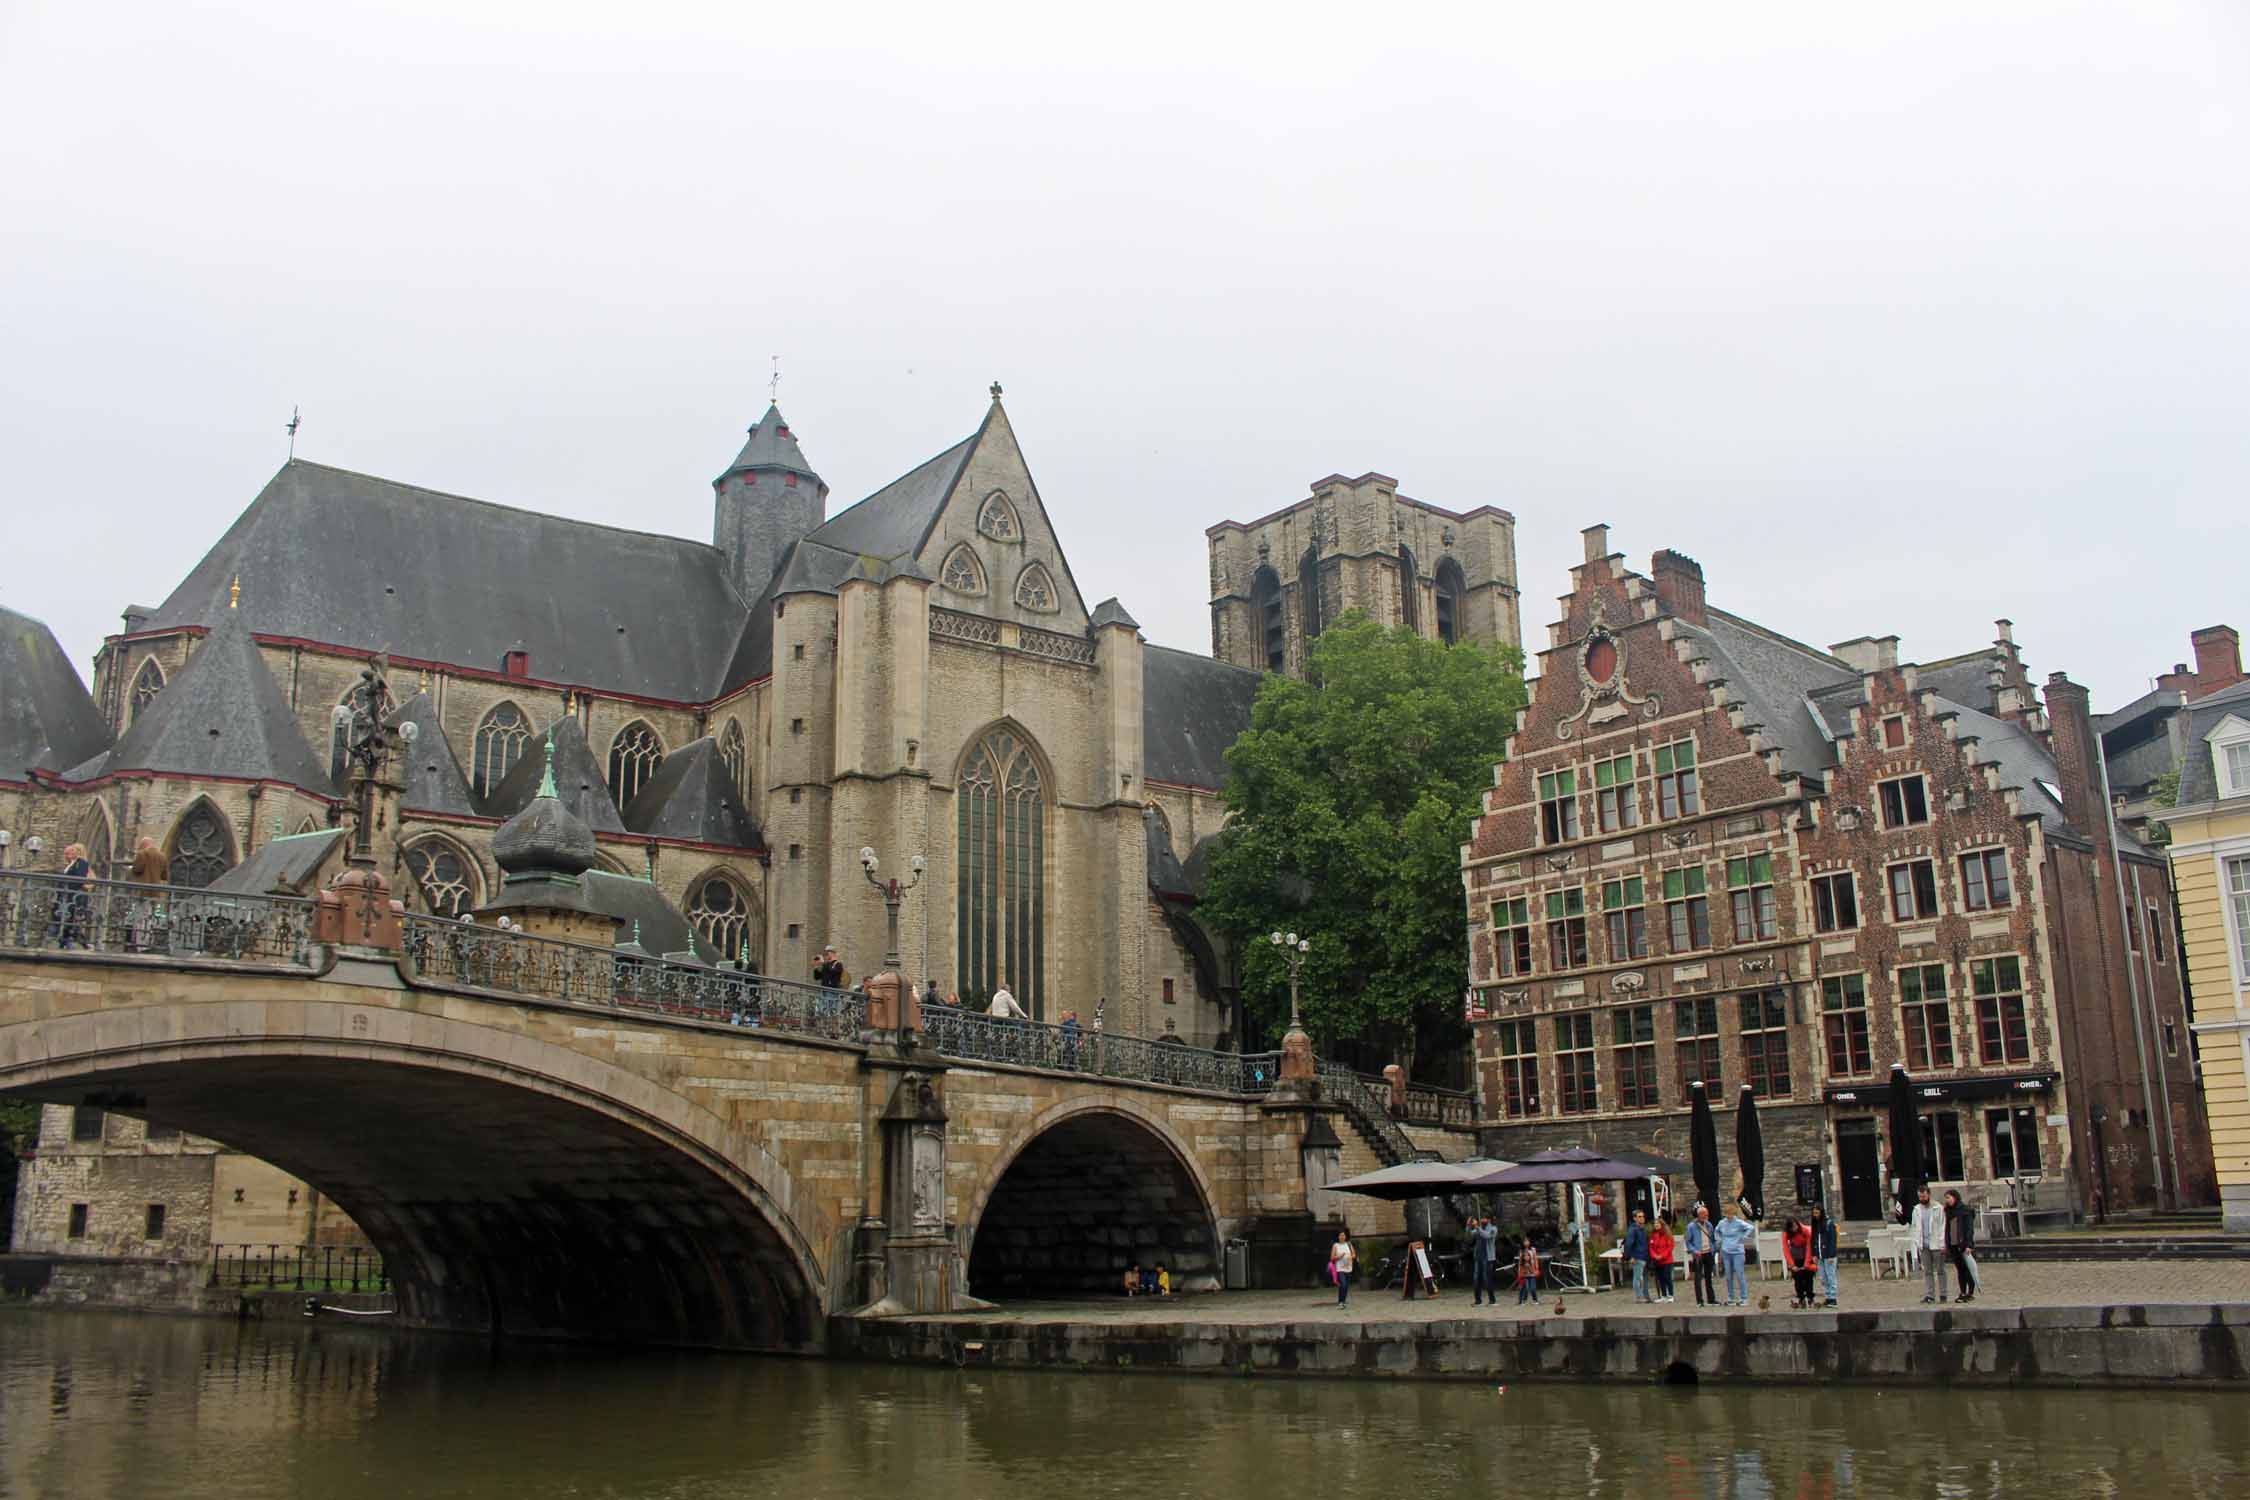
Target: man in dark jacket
{"type": "Point", "coordinates": [829, 972]}
{"type": "Point", "coordinates": [1824, 1253]}
{"type": "Point", "coordinates": [1484, 1252]}
{"type": "Point", "coordinates": [1636, 1254]}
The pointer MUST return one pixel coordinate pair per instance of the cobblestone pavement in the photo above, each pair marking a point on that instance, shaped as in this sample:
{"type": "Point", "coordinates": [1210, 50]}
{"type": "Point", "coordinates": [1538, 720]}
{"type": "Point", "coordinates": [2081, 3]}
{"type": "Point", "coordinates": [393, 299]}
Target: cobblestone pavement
{"type": "Point", "coordinates": [2031, 1284]}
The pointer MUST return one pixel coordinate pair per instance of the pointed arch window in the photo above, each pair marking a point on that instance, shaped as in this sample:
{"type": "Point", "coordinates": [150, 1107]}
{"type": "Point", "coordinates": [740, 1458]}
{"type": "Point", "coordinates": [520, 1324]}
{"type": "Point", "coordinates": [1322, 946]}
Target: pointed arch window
{"type": "Point", "coordinates": [962, 572]}
{"type": "Point", "coordinates": [997, 519]}
{"type": "Point", "coordinates": [446, 876]}
{"type": "Point", "coordinates": [736, 753]}
{"type": "Point", "coordinates": [633, 758]}
{"type": "Point", "coordinates": [502, 735]}
{"type": "Point", "coordinates": [202, 847]}
{"type": "Point", "coordinates": [1035, 589]}
{"type": "Point", "coordinates": [1409, 590]}
{"type": "Point", "coordinates": [1451, 589]}
{"type": "Point", "coordinates": [1265, 596]}
{"type": "Point", "coordinates": [99, 849]}
{"type": "Point", "coordinates": [1308, 592]}
{"type": "Point", "coordinates": [1000, 910]}
{"type": "Point", "coordinates": [147, 683]}
{"type": "Point", "coordinates": [723, 917]}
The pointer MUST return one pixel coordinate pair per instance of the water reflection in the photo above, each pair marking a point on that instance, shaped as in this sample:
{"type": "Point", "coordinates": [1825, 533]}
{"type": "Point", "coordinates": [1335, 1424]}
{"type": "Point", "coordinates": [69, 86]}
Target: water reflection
{"type": "Point", "coordinates": [95, 1405]}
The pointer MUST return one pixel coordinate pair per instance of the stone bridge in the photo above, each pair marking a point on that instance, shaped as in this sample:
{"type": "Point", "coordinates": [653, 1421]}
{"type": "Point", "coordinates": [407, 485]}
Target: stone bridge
{"type": "Point", "coordinates": [554, 1139]}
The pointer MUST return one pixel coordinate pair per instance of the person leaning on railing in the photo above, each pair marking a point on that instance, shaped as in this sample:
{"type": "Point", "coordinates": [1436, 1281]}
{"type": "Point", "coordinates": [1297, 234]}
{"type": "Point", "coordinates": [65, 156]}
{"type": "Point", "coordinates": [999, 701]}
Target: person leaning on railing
{"type": "Point", "coordinates": [150, 867]}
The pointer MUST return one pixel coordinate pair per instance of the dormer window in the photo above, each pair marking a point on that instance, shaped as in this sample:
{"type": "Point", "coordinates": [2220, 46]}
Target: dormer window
{"type": "Point", "coordinates": [2230, 756]}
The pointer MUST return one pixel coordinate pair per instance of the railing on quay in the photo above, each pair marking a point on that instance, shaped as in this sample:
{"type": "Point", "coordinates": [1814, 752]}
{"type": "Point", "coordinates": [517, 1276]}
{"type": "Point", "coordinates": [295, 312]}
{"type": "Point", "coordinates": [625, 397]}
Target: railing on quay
{"type": "Point", "coordinates": [488, 958]}
{"type": "Point", "coordinates": [973, 1037]}
{"type": "Point", "coordinates": [321, 1268]}
{"type": "Point", "coordinates": [46, 910]}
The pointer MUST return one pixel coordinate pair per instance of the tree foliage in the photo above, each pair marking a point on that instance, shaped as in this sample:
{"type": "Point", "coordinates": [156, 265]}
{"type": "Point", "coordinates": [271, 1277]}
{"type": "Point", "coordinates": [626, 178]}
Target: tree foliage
{"type": "Point", "coordinates": [1352, 794]}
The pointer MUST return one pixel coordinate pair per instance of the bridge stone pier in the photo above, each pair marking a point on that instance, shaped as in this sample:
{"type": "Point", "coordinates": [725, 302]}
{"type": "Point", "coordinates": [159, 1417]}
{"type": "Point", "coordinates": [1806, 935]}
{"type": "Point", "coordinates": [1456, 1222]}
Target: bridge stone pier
{"type": "Point", "coordinates": [563, 1140]}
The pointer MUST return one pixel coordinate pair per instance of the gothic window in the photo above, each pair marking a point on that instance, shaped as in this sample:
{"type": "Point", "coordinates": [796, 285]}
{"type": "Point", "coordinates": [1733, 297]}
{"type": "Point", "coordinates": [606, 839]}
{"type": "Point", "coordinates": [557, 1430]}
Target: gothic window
{"type": "Point", "coordinates": [1409, 602]}
{"type": "Point", "coordinates": [721, 914]}
{"type": "Point", "coordinates": [202, 848]}
{"type": "Point", "coordinates": [998, 518]}
{"type": "Point", "coordinates": [962, 572]}
{"type": "Point", "coordinates": [501, 737]}
{"type": "Point", "coordinates": [1035, 589]}
{"type": "Point", "coordinates": [98, 848]}
{"type": "Point", "coordinates": [444, 874]}
{"type": "Point", "coordinates": [737, 756]}
{"type": "Point", "coordinates": [1000, 913]}
{"type": "Point", "coordinates": [633, 758]}
{"type": "Point", "coordinates": [147, 683]}
{"type": "Point", "coordinates": [1308, 592]}
{"type": "Point", "coordinates": [1265, 597]}
{"type": "Point", "coordinates": [1451, 586]}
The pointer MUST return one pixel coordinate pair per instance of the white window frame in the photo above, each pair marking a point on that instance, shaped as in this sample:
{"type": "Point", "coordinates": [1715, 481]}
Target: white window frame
{"type": "Point", "coordinates": [2236, 917]}
{"type": "Point", "coordinates": [2228, 732]}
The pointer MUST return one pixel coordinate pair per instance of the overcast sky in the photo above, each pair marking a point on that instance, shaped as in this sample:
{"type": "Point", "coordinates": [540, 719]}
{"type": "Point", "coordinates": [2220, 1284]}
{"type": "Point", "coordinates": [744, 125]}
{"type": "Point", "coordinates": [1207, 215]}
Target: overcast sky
{"type": "Point", "coordinates": [1897, 317]}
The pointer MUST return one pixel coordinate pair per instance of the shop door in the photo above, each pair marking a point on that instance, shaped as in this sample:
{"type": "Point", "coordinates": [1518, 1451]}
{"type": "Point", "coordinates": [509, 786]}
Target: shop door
{"type": "Point", "coordinates": [1859, 1159]}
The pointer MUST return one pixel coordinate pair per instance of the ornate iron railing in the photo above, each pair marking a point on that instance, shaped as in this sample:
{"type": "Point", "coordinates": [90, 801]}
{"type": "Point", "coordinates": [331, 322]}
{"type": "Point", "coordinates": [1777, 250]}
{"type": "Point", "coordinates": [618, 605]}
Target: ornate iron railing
{"type": "Point", "coordinates": [517, 963]}
{"type": "Point", "coordinates": [44, 910]}
{"type": "Point", "coordinates": [1368, 1103]}
{"type": "Point", "coordinates": [973, 1037]}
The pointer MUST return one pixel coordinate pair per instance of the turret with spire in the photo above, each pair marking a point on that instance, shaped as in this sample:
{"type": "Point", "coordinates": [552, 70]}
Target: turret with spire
{"type": "Point", "coordinates": [767, 498]}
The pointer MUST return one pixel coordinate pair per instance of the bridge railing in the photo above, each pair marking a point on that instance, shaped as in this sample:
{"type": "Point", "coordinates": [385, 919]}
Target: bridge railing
{"type": "Point", "coordinates": [975, 1037]}
{"type": "Point", "coordinates": [517, 963]}
{"type": "Point", "coordinates": [45, 910]}
{"type": "Point", "coordinates": [299, 1268]}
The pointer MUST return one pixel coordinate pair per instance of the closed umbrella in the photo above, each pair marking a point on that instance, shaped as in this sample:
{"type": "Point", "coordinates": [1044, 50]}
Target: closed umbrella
{"type": "Point", "coordinates": [1750, 1151]}
{"type": "Point", "coordinates": [1703, 1146]}
{"type": "Point", "coordinates": [1906, 1140]}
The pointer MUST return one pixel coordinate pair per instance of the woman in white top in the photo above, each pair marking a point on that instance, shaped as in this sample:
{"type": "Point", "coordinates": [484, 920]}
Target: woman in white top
{"type": "Point", "coordinates": [1343, 1257]}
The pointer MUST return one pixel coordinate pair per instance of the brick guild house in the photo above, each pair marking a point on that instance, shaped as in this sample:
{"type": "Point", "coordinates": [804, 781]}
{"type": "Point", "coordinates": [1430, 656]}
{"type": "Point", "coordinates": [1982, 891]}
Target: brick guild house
{"type": "Point", "coordinates": [1717, 853]}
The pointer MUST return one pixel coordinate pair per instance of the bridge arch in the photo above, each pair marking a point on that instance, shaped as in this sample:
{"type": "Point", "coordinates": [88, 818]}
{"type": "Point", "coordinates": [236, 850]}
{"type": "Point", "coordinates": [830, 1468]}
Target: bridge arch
{"type": "Point", "coordinates": [513, 1185]}
{"type": "Point", "coordinates": [1092, 1186]}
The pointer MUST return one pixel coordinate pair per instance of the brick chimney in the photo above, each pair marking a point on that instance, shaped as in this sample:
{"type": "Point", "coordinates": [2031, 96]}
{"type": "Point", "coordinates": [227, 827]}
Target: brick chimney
{"type": "Point", "coordinates": [2178, 680]}
{"type": "Point", "coordinates": [2077, 770]}
{"type": "Point", "coordinates": [1679, 585]}
{"type": "Point", "coordinates": [1868, 653]}
{"type": "Point", "coordinates": [2218, 659]}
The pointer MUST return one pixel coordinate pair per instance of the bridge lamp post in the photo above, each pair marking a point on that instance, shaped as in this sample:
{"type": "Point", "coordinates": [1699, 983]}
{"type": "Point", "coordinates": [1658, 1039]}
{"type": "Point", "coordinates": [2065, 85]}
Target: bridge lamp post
{"type": "Point", "coordinates": [1296, 1047]}
{"type": "Point", "coordinates": [894, 894]}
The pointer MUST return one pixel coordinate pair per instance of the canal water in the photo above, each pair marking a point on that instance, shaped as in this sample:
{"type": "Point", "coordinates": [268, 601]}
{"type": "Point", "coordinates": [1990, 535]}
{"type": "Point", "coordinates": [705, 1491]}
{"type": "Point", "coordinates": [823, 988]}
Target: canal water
{"type": "Point", "coordinates": [101, 1405]}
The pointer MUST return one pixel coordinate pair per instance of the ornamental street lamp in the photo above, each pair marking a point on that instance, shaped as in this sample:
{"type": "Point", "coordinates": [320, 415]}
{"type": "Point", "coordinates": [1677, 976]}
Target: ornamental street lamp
{"type": "Point", "coordinates": [893, 894]}
{"type": "Point", "coordinates": [1297, 1065]}
{"type": "Point", "coordinates": [1293, 950]}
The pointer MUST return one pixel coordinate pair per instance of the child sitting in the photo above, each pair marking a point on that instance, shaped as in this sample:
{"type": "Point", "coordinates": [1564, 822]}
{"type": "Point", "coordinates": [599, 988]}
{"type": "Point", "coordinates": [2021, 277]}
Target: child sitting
{"type": "Point", "coordinates": [1163, 1280]}
{"type": "Point", "coordinates": [1132, 1281]}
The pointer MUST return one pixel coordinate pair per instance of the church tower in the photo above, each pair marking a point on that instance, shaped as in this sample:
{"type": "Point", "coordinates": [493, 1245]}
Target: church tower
{"type": "Point", "coordinates": [768, 498]}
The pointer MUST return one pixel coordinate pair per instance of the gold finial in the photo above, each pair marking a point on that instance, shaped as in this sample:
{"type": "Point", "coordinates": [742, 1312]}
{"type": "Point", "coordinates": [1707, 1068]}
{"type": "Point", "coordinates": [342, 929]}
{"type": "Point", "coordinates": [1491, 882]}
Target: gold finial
{"type": "Point", "coordinates": [234, 593]}
{"type": "Point", "coordinates": [424, 685]}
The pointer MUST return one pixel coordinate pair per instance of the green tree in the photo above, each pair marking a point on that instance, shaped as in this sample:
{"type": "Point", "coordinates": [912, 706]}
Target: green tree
{"type": "Point", "coordinates": [2163, 792]}
{"type": "Point", "coordinates": [19, 1132]}
{"type": "Point", "coordinates": [1353, 791]}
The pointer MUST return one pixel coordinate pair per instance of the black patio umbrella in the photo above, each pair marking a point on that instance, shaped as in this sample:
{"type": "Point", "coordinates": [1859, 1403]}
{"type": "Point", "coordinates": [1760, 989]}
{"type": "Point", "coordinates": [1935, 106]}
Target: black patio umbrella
{"type": "Point", "coordinates": [1906, 1139]}
{"type": "Point", "coordinates": [1703, 1146]}
{"type": "Point", "coordinates": [1750, 1151]}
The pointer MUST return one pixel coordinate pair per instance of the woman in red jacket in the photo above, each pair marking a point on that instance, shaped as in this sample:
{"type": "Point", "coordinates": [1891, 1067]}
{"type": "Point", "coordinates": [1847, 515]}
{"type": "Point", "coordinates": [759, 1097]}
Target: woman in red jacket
{"type": "Point", "coordinates": [1797, 1255]}
{"type": "Point", "coordinates": [1660, 1257]}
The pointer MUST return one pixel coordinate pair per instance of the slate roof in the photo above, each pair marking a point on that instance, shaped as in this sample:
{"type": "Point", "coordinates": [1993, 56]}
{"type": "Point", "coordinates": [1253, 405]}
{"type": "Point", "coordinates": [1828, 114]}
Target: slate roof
{"type": "Point", "coordinates": [1966, 680]}
{"type": "Point", "coordinates": [630, 900]}
{"type": "Point", "coordinates": [284, 866]}
{"type": "Point", "coordinates": [47, 720]}
{"type": "Point", "coordinates": [772, 446]}
{"type": "Point", "coordinates": [899, 516]}
{"type": "Point", "coordinates": [434, 779]}
{"type": "Point", "coordinates": [2198, 778]}
{"type": "Point", "coordinates": [1772, 676]}
{"type": "Point", "coordinates": [692, 797]}
{"type": "Point", "coordinates": [579, 781]}
{"type": "Point", "coordinates": [222, 714]}
{"type": "Point", "coordinates": [1192, 708]}
{"type": "Point", "coordinates": [341, 558]}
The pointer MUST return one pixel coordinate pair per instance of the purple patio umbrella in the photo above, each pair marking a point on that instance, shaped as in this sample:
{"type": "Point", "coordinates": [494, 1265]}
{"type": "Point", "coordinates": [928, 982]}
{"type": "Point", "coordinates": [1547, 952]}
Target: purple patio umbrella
{"type": "Point", "coordinates": [1568, 1164]}
{"type": "Point", "coordinates": [1750, 1151]}
{"type": "Point", "coordinates": [1703, 1145]}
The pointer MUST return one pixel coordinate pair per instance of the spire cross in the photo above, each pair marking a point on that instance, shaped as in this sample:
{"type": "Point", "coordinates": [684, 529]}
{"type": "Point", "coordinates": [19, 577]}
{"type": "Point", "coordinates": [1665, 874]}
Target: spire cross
{"type": "Point", "coordinates": [291, 429]}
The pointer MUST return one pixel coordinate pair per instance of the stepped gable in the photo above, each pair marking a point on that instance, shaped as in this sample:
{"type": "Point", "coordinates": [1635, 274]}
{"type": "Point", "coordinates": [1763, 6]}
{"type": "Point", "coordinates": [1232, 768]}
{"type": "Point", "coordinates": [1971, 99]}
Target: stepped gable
{"type": "Point", "coordinates": [48, 722]}
{"type": "Point", "coordinates": [222, 714]}
{"type": "Point", "coordinates": [1192, 708]}
{"type": "Point", "coordinates": [1774, 677]}
{"type": "Point", "coordinates": [349, 559]}
{"type": "Point", "coordinates": [578, 779]}
{"type": "Point", "coordinates": [434, 779]}
{"type": "Point", "coordinates": [692, 797]}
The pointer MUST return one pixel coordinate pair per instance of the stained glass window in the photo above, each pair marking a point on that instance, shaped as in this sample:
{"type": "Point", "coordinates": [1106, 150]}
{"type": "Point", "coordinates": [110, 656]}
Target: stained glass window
{"type": "Point", "coordinates": [633, 758]}
{"type": "Point", "coordinates": [1001, 899]}
{"type": "Point", "coordinates": [501, 739]}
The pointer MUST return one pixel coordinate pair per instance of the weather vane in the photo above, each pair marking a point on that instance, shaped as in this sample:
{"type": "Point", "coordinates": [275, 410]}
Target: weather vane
{"type": "Point", "coordinates": [775, 388]}
{"type": "Point", "coordinates": [294, 422]}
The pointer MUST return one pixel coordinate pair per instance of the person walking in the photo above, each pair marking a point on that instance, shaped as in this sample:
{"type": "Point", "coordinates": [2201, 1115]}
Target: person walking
{"type": "Point", "coordinates": [1527, 1273]}
{"type": "Point", "coordinates": [1703, 1257]}
{"type": "Point", "coordinates": [1635, 1253]}
{"type": "Point", "coordinates": [1343, 1259]}
{"type": "Point", "coordinates": [72, 896]}
{"type": "Point", "coordinates": [1960, 1245]}
{"type": "Point", "coordinates": [1484, 1253]}
{"type": "Point", "coordinates": [1824, 1253]}
{"type": "Point", "coordinates": [1925, 1231]}
{"type": "Point", "coordinates": [1734, 1234]}
{"type": "Point", "coordinates": [1797, 1257]}
{"type": "Point", "coordinates": [1004, 1007]}
{"type": "Point", "coordinates": [1660, 1257]}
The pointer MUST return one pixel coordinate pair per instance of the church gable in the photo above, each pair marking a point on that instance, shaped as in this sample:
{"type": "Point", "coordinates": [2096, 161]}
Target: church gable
{"type": "Point", "coordinates": [992, 547]}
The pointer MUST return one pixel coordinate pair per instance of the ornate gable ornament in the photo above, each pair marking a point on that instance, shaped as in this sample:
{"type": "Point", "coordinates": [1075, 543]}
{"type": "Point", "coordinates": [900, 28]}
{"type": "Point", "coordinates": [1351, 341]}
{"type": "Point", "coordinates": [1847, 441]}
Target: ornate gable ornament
{"type": "Point", "coordinates": [1603, 697]}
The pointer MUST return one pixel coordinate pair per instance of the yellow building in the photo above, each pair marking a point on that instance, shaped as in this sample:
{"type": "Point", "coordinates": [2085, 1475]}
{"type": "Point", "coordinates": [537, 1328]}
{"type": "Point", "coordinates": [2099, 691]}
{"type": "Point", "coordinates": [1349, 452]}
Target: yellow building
{"type": "Point", "coordinates": [2210, 851]}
